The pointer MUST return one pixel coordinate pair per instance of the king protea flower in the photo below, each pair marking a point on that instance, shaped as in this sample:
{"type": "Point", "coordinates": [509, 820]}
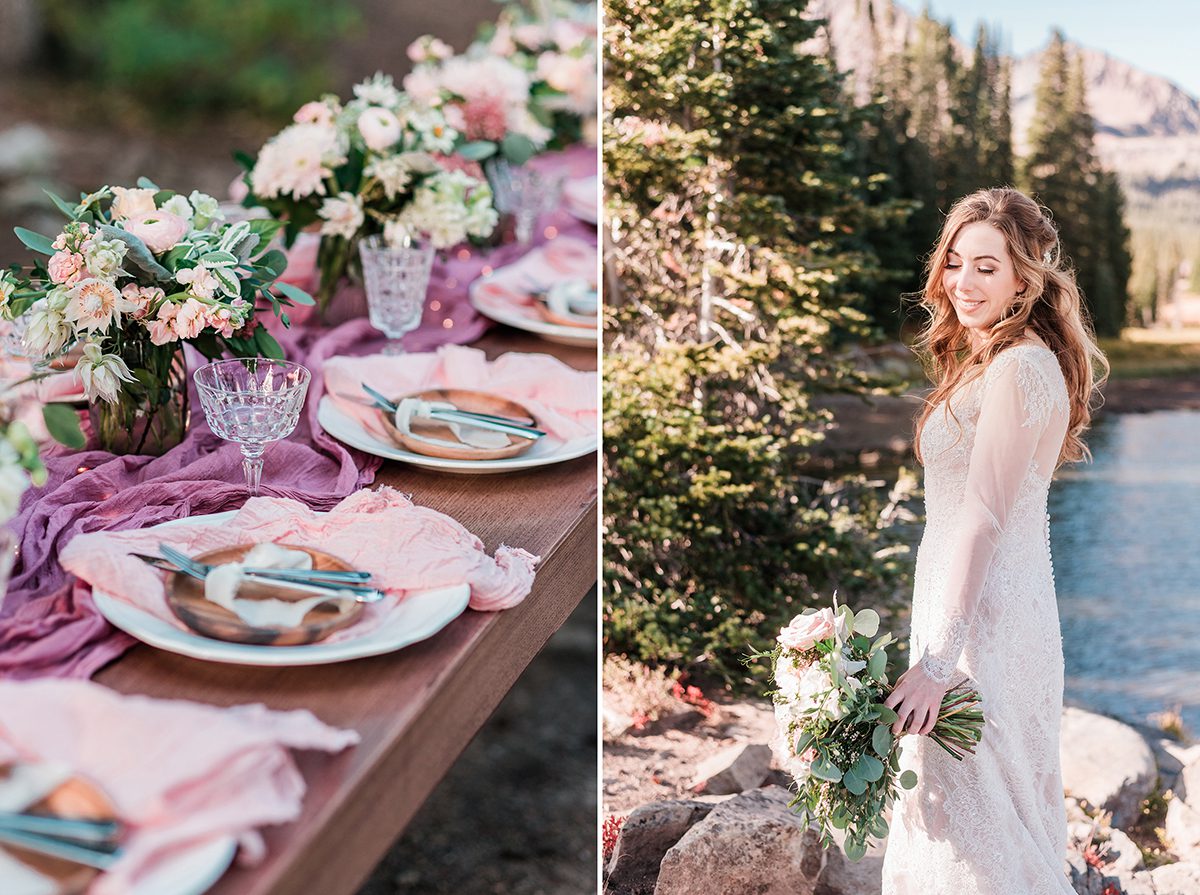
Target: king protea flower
{"type": "Point", "coordinates": [93, 304]}
{"type": "Point", "coordinates": [101, 374]}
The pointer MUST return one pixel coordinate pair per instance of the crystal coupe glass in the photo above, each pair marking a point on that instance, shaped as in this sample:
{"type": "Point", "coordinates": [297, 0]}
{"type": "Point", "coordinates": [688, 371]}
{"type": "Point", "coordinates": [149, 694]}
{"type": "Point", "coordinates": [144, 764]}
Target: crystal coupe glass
{"type": "Point", "coordinates": [252, 401]}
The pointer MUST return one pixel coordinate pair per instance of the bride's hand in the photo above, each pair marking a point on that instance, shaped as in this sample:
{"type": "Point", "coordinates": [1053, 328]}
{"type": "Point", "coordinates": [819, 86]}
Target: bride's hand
{"type": "Point", "coordinates": [917, 699]}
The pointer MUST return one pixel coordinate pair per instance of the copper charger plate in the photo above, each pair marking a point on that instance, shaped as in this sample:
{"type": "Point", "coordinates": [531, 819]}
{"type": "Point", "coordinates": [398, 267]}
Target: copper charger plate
{"type": "Point", "coordinates": [77, 799]}
{"type": "Point", "coordinates": [549, 316]}
{"type": "Point", "coordinates": [185, 597]}
{"type": "Point", "coordinates": [463, 399]}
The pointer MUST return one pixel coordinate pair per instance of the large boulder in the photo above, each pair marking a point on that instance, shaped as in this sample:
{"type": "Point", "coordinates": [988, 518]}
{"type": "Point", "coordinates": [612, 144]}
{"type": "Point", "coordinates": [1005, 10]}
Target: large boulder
{"type": "Point", "coordinates": [644, 838]}
{"type": "Point", "coordinates": [1123, 855]}
{"type": "Point", "coordinates": [1106, 763]}
{"type": "Point", "coordinates": [841, 876]}
{"type": "Point", "coordinates": [750, 843]}
{"type": "Point", "coordinates": [733, 770]}
{"type": "Point", "coordinates": [1176, 879]}
{"type": "Point", "coordinates": [1183, 813]}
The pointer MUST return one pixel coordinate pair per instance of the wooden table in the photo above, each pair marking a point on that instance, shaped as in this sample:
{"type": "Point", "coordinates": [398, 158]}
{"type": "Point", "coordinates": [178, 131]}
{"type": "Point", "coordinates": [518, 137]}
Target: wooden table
{"type": "Point", "coordinates": [416, 709]}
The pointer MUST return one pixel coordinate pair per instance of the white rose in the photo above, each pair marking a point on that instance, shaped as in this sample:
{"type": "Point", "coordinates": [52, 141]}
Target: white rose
{"type": "Point", "coordinates": [380, 128]}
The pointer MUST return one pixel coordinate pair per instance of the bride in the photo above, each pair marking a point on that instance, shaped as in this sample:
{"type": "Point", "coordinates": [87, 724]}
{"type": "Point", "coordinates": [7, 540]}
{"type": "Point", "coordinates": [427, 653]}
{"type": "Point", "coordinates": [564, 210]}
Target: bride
{"type": "Point", "coordinates": [1012, 360]}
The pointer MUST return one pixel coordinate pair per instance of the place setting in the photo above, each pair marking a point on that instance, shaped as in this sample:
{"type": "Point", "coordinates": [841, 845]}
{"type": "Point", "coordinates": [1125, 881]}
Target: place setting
{"type": "Point", "coordinates": [550, 291]}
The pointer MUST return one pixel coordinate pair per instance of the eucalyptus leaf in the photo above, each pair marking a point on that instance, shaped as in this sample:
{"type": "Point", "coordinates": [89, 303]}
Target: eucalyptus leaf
{"type": "Point", "coordinates": [275, 261]}
{"type": "Point", "coordinates": [879, 827]}
{"type": "Point", "coordinates": [887, 716]}
{"type": "Point", "coordinates": [805, 740]}
{"type": "Point", "coordinates": [839, 819]}
{"type": "Point", "coordinates": [866, 622]}
{"type": "Point", "coordinates": [868, 767]}
{"type": "Point", "coordinates": [267, 345]}
{"type": "Point", "coordinates": [854, 849]}
{"type": "Point", "coordinates": [296, 295]}
{"type": "Point", "coordinates": [68, 210]}
{"type": "Point", "coordinates": [517, 148]}
{"type": "Point", "coordinates": [824, 769]}
{"type": "Point", "coordinates": [908, 779]}
{"type": "Point", "coordinates": [877, 665]}
{"type": "Point", "coordinates": [477, 150]}
{"type": "Point", "coordinates": [62, 422]}
{"type": "Point", "coordinates": [854, 783]}
{"type": "Point", "coordinates": [881, 740]}
{"type": "Point", "coordinates": [137, 253]}
{"type": "Point", "coordinates": [43, 245]}
{"type": "Point", "coordinates": [146, 183]}
{"type": "Point", "coordinates": [264, 228]}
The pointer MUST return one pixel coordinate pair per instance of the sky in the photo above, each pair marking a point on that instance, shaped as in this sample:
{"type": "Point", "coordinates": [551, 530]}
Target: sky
{"type": "Point", "coordinates": [1158, 36]}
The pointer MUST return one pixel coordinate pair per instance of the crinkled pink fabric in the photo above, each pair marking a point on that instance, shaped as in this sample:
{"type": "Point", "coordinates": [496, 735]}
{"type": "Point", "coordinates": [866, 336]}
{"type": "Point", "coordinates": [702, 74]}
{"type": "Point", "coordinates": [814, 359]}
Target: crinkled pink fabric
{"type": "Point", "coordinates": [563, 400]}
{"type": "Point", "coordinates": [180, 773]}
{"type": "Point", "coordinates": [404, 546]}
{"type": "Point", "coordinates": [510, 288]}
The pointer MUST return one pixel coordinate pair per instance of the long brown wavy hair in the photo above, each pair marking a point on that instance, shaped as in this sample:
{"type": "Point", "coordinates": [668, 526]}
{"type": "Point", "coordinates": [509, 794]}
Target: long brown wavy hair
{"type": "Point", "coordinates": [1050, 305]}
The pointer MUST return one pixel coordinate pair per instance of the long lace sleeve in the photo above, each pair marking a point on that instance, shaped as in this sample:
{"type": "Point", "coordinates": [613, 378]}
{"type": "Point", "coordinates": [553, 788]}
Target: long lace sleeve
{"type": "Point", "coordinates": [1015, 412]}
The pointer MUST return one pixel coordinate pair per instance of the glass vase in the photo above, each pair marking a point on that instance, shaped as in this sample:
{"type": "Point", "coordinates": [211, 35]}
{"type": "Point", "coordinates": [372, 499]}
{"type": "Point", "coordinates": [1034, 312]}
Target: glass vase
{"type": "Point", "coordinates": [151, 415]}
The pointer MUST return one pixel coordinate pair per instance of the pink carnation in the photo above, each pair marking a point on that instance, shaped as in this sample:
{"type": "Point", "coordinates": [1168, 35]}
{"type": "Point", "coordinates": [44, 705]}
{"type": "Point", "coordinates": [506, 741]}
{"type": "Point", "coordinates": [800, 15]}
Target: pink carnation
{"type": "Point", "coordinates": [143, 298]}
{"type": "Point", "coordinates": [66, 268]}
{"type": "Point", "coordinates": [805, 630]}
{"type": "Point", "coordinates": [161, 330]}
{"type": "Point", "coordinates": [484, 118]}
{"type": "Point", "coordinates": [190, 319]}
{"type": "Point", "coordinates": [219, 319]}
{"type": "Point", "coordinates": [458, 163]}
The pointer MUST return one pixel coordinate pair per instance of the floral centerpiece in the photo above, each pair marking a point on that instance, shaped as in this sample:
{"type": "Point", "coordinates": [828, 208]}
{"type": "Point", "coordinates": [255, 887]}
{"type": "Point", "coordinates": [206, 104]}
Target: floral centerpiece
{"type": "Point", "coordinates": [834, 730]}
{"type": "Point", "coordinates": [554, 42]}
{"type": "Point", "coordinates": [382, 163]}
{"type": "Point", "coordinates": [133, 276]}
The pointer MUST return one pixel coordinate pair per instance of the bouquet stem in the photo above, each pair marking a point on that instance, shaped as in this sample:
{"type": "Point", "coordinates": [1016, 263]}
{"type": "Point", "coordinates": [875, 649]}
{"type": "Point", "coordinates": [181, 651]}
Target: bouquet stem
{"type": "Point", "coordinates": [959, 726]}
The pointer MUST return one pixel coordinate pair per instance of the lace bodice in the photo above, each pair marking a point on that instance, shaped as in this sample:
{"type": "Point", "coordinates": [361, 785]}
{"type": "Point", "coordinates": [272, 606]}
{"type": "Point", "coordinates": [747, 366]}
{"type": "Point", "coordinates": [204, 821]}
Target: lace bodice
{"type": "Point", "coordinates": [987, 474]}
{"type": "Point", "coordinates": [984, 610]}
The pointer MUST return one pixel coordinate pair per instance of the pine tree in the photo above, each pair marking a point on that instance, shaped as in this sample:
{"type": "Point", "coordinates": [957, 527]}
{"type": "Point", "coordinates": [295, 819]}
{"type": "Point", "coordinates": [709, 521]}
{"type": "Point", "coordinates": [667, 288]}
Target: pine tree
{"type": "Point", "coordinates": [1064, 174]}
{"type": "Point", "coordinates": [740, 246]}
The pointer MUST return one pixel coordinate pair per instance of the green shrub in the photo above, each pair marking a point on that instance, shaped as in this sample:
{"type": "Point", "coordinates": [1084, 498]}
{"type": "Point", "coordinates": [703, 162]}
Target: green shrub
{"type": "Point", "coordinates": [266, 56]}
{"type": "Point", "coordinates": [713, 540]}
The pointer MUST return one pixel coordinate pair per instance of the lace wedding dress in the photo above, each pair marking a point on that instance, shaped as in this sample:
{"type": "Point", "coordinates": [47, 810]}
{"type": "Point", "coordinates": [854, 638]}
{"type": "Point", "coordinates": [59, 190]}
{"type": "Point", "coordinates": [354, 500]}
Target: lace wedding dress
{"type": "Point", "coordinates": [984, 610]}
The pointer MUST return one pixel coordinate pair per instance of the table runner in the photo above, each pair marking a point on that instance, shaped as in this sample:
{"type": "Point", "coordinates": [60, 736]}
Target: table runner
{"type": "Point", "coordinates": [48, 623]}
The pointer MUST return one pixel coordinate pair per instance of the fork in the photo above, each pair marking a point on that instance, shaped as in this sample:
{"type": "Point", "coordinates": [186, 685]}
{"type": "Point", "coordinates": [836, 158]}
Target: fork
{"type": "Point", "coordinates": [331, 575]}
{"type": "Point", "coordinates": [102, 857]}
{"type": "Point", "coordinates": [83, 831]}
{"type": "Point", "coordinates": [449, 413]}
{"type": "Point", "coordinates": [200, 570]}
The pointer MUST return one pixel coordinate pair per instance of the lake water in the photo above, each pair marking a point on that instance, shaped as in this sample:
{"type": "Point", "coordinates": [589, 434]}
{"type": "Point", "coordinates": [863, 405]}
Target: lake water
{"type": "Point", "coordinates": [1125, 533]}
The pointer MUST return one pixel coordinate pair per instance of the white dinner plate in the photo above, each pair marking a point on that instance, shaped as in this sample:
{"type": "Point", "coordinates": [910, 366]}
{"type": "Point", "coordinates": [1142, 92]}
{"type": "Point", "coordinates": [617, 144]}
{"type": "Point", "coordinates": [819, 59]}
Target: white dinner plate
{"type": "Point", "coordinates": [576, 336]}
{"type": "Point", "coordinates": [419, 615]}
{"type": "Point", "coordinates": [191, 871]}
{"type": "Point", "coordinates": [349, 431]}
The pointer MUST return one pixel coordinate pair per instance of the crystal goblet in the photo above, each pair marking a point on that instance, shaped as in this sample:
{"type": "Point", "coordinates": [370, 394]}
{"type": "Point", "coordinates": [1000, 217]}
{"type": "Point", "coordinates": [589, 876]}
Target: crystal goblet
{"type": "Point", "coordinates": [525, 193]}
{"type": "Point", "coordinates": [252, 401]}
{"type": "Point", "coordinates": [396, 278]}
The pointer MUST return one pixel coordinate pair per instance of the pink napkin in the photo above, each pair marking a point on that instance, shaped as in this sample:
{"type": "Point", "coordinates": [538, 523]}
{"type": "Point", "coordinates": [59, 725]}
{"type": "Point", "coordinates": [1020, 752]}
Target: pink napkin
{"type": "Point", "coordinates": [404, 546]}
{"type": "Point", "coordinates": [563, 400]}
{"type": "Point", "coordinates": [509, 287]}
{"type": "Point", "coordinates": [180, 773]}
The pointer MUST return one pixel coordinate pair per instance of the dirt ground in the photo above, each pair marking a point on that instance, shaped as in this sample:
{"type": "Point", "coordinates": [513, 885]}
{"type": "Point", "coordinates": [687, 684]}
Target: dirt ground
{"type": "Point", "coordinates": [517, 812]}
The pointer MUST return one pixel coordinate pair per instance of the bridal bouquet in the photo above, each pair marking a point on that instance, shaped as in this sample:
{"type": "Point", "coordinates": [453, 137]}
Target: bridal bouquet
{"type": "Point", "coordinates": [835, 735]}
{"type": "Point", "coordinates": [386, 162]}
{"type": "Point", "coordinates": [134, 275]}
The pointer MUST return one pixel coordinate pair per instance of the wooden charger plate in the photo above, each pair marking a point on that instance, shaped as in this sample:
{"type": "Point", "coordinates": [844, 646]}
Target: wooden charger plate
{"type": "Point", "coordinates": [463, 399]}
{"type": "Point", "coordinates": [185, 597]}
{"type": "Point", "coordinates": [77, 799]}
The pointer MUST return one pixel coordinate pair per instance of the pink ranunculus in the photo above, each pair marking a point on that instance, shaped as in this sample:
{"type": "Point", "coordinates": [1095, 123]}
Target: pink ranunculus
{"type": "Point", "coordinates": [160, 230]}
{"type": "Point", "coordinates": [805, 630]}
{"type": "Point", "coordinates": [132, 203]}
{"type": "Point", "coordinates": [379, 127]}
{"type": "Point", "coordinates": [314, 113]}
{"type": "Point", "coordinates": [66, 268]}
